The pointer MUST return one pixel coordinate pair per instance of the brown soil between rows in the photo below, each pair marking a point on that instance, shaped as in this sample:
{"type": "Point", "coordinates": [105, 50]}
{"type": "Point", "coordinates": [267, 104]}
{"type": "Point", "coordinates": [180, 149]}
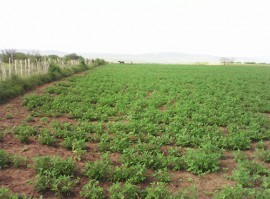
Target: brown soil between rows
{"type": "Point", "coordinates": [19, 180]}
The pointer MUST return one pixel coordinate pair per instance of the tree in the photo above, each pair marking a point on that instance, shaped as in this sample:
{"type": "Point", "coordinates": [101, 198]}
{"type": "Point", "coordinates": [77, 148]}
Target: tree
{"type": "Point", "coordinates": [20, 56]}
{"type": "Point", "coordinates": [8, 54]}
{"type": "Point", "coordinates": [72, 56]}
{"type": "Point", "coordinates": [53, 57]}
{"type": "Point", "coordinates": [227, 60]}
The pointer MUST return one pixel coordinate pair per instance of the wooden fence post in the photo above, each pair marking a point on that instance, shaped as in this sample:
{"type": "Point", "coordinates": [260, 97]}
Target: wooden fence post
{"type": "Point", "coordinates": [28, 68]}
{"type": "Point", "coordinates": [15, 62]}
{"type": "Point", "coordinates": [21, 65]}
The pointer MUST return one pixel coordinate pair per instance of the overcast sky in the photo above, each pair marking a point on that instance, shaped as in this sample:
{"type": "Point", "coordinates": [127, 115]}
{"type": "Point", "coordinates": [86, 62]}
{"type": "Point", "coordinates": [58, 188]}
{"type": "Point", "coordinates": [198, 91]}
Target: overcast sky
{"type": "Point", "coordinates": [215, 27]}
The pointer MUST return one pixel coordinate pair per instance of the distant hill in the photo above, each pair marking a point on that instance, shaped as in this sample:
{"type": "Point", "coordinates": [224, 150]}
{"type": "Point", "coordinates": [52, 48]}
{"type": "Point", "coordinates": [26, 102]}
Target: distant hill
{"type": "Point", "coordinates": [163, 57]}
{"type": "Point", "coordinates": [166, 57]}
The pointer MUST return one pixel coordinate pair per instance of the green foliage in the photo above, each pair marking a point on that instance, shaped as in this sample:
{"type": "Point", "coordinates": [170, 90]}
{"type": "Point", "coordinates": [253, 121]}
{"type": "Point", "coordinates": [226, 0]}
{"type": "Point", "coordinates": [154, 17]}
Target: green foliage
{"type": "Point", "coordinates": [241, 192]}
{"type": "Point", "coordinates": [92, 190]}
{"type": "Point", "coordinates": [11, 87]}
{"type": "Point", "coordinates": [55, 174]}
{"type": "Point", "coordinates": [237, 141]}
{"type": "Point", "coordinates": [162, 176]}
{"type": "Point", "coordinates": [55, 165]}
{"type": "Point", "coordinates": [263, 154]}
{"type": "Point", "coordinates": [260, 145]}
{"type": "Point", "coordinates": [15, 85]}
{"type": "Point", "coordinates": [29, 118]}
{"type": "Point", "coordinates": [24, 132]}
{"type": "Point", "coordinates": [19, 161]}
{"type": "Point", "coordinates": [248, 173]}
{"type": "Point", "coordinates": [133, 174]}
{"type": "Point", "coordinates": [239, 156]}
{"type": "Point", "coordinates": [158, 191]}
{"type": "Point", "coordinates": [7, 194]}
{"type": "Point", "coordinates": [124, 191]}
{"type": "Point", "coordinates": [54, 72]}
{"type": "Point", "coordinates": [5, 159]}
{"type": "Point", "coordinates": [161, 118]}
{"type": "Point", "coordinates": [46, 138]}
{"type": "Point", "coordinates": [98, 170]}
{"type": "Point", "coordinates": [63, 185]}
{"type": "Point", "coordinates": [200, 161]}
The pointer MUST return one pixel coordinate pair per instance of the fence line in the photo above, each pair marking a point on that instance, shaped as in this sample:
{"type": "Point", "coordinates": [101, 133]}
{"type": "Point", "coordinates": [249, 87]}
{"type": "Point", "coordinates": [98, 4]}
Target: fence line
{"type": "Point", "coordinates": [27, 68]}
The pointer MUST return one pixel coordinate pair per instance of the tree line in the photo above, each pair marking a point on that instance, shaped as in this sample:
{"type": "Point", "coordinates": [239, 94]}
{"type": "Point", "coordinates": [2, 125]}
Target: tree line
{"type": "Point", "coordinates": [9, 55]}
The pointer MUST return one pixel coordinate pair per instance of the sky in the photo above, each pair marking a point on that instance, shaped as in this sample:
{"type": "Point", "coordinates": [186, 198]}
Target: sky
{"type": "Point", "coordinates": [212, 27]}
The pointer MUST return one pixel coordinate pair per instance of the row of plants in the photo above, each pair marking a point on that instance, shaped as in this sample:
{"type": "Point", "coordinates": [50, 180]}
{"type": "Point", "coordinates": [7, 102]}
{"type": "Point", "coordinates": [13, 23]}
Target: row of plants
{"type": "Point", "coordinates": [157, 119]}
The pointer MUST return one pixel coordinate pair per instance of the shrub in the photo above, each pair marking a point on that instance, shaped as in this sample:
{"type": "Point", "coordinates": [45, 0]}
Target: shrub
{"type": "Point", "coordinates": [123, 191]}
{"type": "Point", "coordinates": [11, 88]}
{"type": "Point", "coordinates": [92, 190]}
{"type": "Point", "coordinates": [54, 72]}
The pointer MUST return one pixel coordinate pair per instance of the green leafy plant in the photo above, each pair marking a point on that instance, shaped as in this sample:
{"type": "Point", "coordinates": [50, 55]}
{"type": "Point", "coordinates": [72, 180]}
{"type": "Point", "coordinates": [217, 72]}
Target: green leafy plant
{"type": "Point", "coordinates": [5, 193]}
{"type": "Point", "coordinates": [92, 190]}
{"type": "Point", "coordinates": [132, 174]}
{"type": "Point", "coordinates": [55, 174]}
{"type": "Point", "coordinates": [123, 191]}
{"type": "Point", "coordinates": [99, 170]}
{"type": "Point", "coordinates": [162, 176]}
{"type": "Point", "coordinates": [46, 138]}
{"type": "Point", "coordinates": [157, 191]}
{"type": "Point", "coordinates": [19, 161]}
{"type": "Point", "coordinates": [263, 154]}
{"type": "Point", "coordinates": [200, 161]}
{"type": "Point", "coordinates": [24, 132]}
{"type": "Point", "coordinates": [5, 159]}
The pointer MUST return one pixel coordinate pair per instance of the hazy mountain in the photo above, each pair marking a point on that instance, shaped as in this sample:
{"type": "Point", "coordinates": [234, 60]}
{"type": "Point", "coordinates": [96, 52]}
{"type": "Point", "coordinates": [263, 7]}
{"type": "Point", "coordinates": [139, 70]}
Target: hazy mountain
{"type": "Point", "coordinates": [166, 57]}
{"type": "Point", "coordinates": [163, 57]}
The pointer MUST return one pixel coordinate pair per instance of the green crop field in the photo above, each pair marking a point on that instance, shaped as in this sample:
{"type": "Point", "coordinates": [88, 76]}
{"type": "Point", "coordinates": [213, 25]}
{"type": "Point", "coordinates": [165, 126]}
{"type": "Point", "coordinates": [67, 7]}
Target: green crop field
{"type": "Point", "coordinates": [144, 131]}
